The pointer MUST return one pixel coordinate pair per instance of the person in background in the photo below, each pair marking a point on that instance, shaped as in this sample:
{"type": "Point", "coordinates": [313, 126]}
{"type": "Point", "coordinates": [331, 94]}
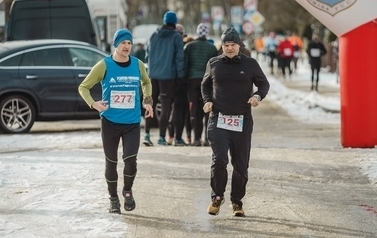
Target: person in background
{"type": "Point", "coordinates": [197, 54]}
{"type": "Point", "coordinates": [315, 51]}
{"type": "Point", "coordinates": [188, 125]}
{"type": "Point", "coordinates": [297, 46]}
{"type": "Point", "coordinates": [285, 51]}
{"type": "Point", "coordinates": [270, 47]}
{"type": "Point", "coordinates": [165, 67]}
{"type": "Point", "coordinates": [259, 46]}
{"type": "Point", "coordinates": [211, 41]}
{"type": "Point", "coordinates": [227, 91]}
{"type": "Point", "coordinates": [121, 76]}
{"type": "Point", "coordinates": [140, 52]}
{"type": "Point", "coordinates": [187, 39]}
{"type": "Point", "coordinates": [179, 116]}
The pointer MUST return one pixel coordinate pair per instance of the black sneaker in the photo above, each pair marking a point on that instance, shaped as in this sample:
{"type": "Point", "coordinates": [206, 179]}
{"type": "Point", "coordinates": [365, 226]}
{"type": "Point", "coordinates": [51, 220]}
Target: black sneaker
{"type": "Point", "coordinates": [114, 205]}
{"type": "Point", "coordinates": [147, 140]}
{"type": "Point", "coordinates": [129, 202]}
{"type": "Point", "coordinates": [179, 143]}
{"type": "Point", "coordinates": [197, 143]}
{"type": "Point", "coordinates": [206, 143]}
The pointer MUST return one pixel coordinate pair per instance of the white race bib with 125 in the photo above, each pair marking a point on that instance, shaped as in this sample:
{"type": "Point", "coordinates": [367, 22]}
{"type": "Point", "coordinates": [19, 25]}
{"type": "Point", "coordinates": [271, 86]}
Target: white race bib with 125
{"type": "Point", "coordinates": [230, 122]}
{"type": "Point", "coordinates": [122, 99]}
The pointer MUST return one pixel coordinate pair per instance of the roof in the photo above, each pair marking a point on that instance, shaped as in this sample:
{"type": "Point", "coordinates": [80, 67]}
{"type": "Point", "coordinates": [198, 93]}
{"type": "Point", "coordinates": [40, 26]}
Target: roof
{"type": "Point", "coordinates": [25, 44]}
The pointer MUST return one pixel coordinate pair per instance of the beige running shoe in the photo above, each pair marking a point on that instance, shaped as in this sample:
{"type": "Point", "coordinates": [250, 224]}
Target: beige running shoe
{"type": "Point", "coordinates": [238, 211]}
{"type": "Point", "coordinates": [214, 206]}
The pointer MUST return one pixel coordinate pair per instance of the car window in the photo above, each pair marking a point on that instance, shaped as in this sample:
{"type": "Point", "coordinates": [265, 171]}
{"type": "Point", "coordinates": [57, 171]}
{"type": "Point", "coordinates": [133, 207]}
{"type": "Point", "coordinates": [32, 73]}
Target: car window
{"type": "Point", "coordinates": [44, 57]}
{"type": "Point", "coordinates": [13, 61]}
{"type": "Point", "coordinates": [27, 59]}
{"type": "Point", "coordinates": [84, 57]}
{"type": "Point", "coordinates": [48, 57]}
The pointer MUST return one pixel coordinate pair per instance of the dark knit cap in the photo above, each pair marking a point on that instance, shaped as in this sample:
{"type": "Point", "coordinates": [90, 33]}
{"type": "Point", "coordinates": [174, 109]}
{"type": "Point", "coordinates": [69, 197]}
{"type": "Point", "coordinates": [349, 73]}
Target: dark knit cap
{"type": "Point", "coordinates": [170, 18]}
{"type": "Point", "coordinates": [230, 35]}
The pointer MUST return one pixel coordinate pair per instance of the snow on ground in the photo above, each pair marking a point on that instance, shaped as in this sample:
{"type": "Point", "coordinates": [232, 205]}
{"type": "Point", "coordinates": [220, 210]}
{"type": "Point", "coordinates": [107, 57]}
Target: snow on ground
{"type": "Point", "coordinates": [21, 175]}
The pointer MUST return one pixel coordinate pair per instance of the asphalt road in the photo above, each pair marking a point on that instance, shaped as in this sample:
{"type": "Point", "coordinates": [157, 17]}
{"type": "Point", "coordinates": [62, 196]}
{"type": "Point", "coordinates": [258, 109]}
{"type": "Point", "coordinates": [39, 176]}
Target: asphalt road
{"type": "Point", "coordinates": [302, 183]}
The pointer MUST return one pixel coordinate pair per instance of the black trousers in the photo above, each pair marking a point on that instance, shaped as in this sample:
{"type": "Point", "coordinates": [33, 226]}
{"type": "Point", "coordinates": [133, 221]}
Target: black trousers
{"type": "Point", "coordinates": [111, 135]}
{"type": "Point", "coordinates": [196, 107]}
{"type": "Point", "coordinates": [180, 106]}
{"type": "Point", "coordinates": [239, 145]}
{"type": "Point", "coordinates": [315, 65]}
{"type": "Point", "coordinates": [152, 122]}
{"type": "Point", "coordinates": [286, 63]}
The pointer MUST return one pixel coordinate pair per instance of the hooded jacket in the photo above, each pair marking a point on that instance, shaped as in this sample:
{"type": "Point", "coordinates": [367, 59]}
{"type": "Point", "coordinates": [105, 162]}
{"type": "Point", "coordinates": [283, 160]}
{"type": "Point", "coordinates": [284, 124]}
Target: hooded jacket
{"type": "Point", "coordinates": [165, 55]}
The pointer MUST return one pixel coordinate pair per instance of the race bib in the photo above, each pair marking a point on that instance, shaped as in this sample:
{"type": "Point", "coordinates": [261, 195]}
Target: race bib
{"type": "Point", "coordinates": [271, 48]}
{"type": "Point", "coordinates": [287, 52]}
{"type": "Point", "coordinates": [230, 122]}
{"type": "Point", "coordinates": [315, 52]}
{"type": "Point", "coordinates": [122, 99]}
{"type": "Point", "coordinates": [296, 54]}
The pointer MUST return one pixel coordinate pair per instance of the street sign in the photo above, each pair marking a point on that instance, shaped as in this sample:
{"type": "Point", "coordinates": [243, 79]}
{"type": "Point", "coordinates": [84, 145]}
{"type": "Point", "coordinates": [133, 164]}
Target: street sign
{"type": "Point", "coordinates": [257, 18]}
{"type": "Point", "coordinates": [236, 15]}
{"type": "Point", "coordinates": [250, 4]}
{"type": "Point", "coordinates": [217, 13]}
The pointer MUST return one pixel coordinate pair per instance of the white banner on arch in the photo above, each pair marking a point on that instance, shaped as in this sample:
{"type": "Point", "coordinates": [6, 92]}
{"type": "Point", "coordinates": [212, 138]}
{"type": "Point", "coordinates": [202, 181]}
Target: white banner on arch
{"type": "Point", "coordinates": [341, 16]}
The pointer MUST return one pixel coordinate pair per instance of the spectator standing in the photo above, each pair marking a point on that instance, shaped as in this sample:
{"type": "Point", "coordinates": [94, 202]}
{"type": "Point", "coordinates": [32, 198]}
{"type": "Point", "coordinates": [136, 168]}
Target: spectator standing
{"type": "Point", "coordinates": [179, 117]}
{"type": "Point", "coordinates": [315, 51]}
{"type": "Point", "coordinates": [227, 91]}
{"type": "Point", "coordinates": [197, 54]}
{"type": "Point", "coordinates": [285, 50]}
{"type": "Point", "coordinates": [120, 76]}
{"type": "Point", "coordinates": [165, 67]}
{"type": "Point", "coordinates": [140, 52]}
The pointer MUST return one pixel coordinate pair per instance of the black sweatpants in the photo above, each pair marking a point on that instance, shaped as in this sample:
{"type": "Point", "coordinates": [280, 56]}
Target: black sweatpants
{"type": "Point", "coordinates": [150, 122]}
{"type": "Point", "coordinates": [111, 135]}
{"type": "Point", "coordinates": [196, 108]}
{"type": "Point", "coordinates": [239, 146]}
{"type": "Point", "coordinates": [286, 63]}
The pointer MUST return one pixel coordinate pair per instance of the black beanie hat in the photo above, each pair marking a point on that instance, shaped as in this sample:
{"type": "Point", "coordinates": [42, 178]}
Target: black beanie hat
{"type": "Point", "coordinates": [230, 35]}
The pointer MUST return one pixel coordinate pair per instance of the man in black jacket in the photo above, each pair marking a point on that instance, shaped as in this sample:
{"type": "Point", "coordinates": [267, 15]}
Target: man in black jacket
{"type": "Point", "coordinates": [227, 91]}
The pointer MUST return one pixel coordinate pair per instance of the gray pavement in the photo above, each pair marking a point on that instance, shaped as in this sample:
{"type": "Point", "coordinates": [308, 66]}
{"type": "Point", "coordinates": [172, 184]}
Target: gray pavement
{"type": "Point", "coordinates": [302, 183]}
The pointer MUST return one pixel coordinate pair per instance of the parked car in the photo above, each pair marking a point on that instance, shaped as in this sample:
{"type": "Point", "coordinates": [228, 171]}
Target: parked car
{"type": "Point", "coordinates": [39, 81]}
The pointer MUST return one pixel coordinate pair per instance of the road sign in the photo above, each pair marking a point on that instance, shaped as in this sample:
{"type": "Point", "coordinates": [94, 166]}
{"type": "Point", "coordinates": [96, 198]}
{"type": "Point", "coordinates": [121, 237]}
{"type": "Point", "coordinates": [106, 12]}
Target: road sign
{"type": "Point", "coordinates": [257, 18]}
{"type": "Point", "coordinates": [250, 4]}
{"type": "Point", "coordinates": [236, 14]}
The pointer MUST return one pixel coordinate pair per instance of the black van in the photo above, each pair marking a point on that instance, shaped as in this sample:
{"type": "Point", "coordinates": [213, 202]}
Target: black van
{"type": "Point", "coordinates": [51, 19]}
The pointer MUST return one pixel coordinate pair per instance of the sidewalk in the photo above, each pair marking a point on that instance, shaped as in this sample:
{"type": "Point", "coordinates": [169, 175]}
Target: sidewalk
{"type": "Point", "coordinates": [297, 88]}
{"type": "Point", "coordinates": [302, 183]}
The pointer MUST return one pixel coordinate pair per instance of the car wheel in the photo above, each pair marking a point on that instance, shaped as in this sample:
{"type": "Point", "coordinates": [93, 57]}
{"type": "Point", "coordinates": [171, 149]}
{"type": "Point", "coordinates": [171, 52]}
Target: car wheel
{"type": "Point", "coordinates": [17, 114]}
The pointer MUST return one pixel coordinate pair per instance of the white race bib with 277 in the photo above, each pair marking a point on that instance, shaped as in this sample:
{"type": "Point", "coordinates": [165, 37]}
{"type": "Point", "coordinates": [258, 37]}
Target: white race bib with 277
{"type": "Point", "coordinates": [122, 99]}
{"type": "Point", "coordinates": [230, 122]}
